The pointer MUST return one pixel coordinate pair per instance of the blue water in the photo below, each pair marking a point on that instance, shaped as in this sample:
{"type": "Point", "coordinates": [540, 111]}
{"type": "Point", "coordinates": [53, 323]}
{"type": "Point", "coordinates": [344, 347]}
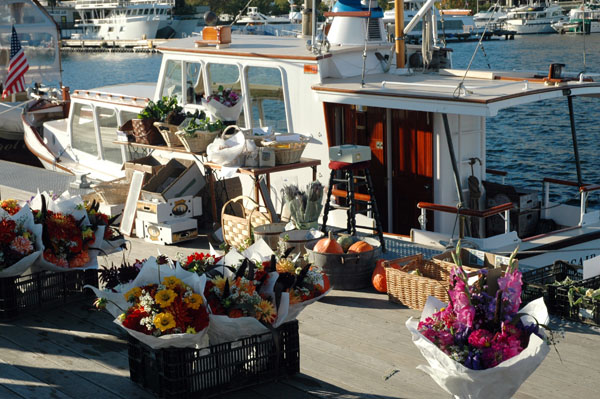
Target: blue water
{"type": "Point", "coordinates": [529, 142]}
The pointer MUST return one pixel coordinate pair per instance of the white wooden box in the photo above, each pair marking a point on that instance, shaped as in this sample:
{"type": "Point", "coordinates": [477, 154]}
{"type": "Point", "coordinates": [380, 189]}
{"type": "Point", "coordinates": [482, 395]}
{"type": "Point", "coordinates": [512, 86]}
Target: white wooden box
{"type": "Point", "coordinates": [350, 153]}
{"type": "Point", "coordinates": [159, 211]}
{"type": "Point", "coordinates": [168, 232]}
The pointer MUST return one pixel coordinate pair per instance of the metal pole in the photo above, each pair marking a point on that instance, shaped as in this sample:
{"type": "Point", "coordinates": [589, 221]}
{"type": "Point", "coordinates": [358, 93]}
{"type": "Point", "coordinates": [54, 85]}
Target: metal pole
{"type": "Point", "coordinates": [453, 159]}
{"type": "Point", "coordinates": [306, 19]}
{"type": "Point", "coordinates": [574, 135]}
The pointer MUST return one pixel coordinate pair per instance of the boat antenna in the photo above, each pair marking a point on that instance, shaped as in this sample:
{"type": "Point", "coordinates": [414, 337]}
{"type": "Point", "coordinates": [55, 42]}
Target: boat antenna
{"type": "Point", "coordinates": [364, 65]}
{"type": "Point", "coordinates": [583, 28]}
{"type": "Point", "coordinates": [240, 13]}
{"type": "Point", "coordinates": [461, 87]}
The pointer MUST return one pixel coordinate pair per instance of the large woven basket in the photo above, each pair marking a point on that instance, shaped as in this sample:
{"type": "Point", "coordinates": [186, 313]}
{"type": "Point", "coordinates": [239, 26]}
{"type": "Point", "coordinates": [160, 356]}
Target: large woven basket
{"type": "Point", "coordinates": [286, 153]}
{"type": "Point", "coordinates": [238, 230]}
{"type": "Point", "coordinates": [412, 290]}
{"type": "Point", "coordinates": [199, 143]}
{"type": "Point", "coordinates": [146, 133]}
{"type": "Point", "coordinates": [168, 131]}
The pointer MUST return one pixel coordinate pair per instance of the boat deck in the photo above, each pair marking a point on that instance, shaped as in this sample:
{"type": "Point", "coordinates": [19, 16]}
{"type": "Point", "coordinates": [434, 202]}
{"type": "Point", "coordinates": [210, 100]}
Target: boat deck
{"type": "Point", "coordinates": [353, 344]}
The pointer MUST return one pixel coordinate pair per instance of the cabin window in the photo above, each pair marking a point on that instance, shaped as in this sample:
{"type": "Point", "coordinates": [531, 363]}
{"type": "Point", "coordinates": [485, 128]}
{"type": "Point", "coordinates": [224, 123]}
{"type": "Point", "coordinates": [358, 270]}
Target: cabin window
{"type": "Point", "coordinates": [146, 11]}
{"type": "Point", "coordinates": [107, 121]}
{"type": "Point", "coordinates": [83, 135]}
{"type": "Point", "coordinates": [172, 80]}
{"type": "Point", "coordinates": [266, 95]}
{"type": "Point", "coordinates": [228, 76]}
{"type": "Point", "coordinates": [194, 84]}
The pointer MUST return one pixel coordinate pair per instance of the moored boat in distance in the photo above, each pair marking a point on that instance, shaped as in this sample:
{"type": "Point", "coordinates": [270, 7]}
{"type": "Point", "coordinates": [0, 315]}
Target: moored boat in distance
{"type": "Point", "coordinates": [425, 126]}
{"type": "Point", "coordinates": [534, 19]}
{"type": "Point", "coordinates": [583, 19]}
{"type": "Point", "coordinates": [494, 15]}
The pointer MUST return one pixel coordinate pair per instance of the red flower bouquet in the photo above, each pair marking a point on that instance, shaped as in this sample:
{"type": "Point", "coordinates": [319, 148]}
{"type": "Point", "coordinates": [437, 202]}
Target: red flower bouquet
{"type": "Point", "coordinates": [11, 206]}
{"type": "Point", "coordinates": [20, 241]}
{"type": "Point", "coordinates": [199, 262]}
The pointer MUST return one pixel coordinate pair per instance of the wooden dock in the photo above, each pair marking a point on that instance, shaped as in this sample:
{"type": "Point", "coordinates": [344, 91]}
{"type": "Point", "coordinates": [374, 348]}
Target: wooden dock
{"type": "Point", "coordinates": [353, 344]}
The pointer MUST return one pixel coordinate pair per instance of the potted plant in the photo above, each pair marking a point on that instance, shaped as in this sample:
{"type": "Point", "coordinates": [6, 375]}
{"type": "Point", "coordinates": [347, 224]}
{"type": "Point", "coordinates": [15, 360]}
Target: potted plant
{"type": "Point", "coordinates": [144, 128]}
{"type": "Point", "coordinates": [198, 133]}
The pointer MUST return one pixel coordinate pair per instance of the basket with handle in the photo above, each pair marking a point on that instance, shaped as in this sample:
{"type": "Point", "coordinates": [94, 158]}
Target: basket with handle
{"type": "Point", "coordinates": [167, 131]}
{"type": "Point", "coordinates": [146, 133]}
{"type": "Point", "coordinates": [286, 153]}
{"type": "Point", "coordinates": [238, 230]}
{"type": "Point", "coordinates": [411, 289]}
{"type": "Point", "coordinates": [198, 142]}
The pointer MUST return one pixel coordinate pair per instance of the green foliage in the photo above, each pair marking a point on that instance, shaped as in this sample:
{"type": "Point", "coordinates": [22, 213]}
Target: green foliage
{"type": "Point", "coordinates": [160, 109]}
{"type": "Point", "coordinates": [203, 124]}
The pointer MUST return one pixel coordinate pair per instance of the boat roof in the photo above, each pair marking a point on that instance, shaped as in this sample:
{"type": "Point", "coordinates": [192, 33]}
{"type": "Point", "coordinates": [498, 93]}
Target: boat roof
{"type": "Point", "coordinates": [120, 93]}
{"type": "Point", "coordinates": [484, 93]}
{"type": "Point", "coordinates": [259, 46]}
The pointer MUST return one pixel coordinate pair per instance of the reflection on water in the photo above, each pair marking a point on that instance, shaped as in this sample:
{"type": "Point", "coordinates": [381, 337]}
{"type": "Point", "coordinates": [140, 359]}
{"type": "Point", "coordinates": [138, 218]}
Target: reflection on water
{"type": "Point", "coordinates": [530, 142]}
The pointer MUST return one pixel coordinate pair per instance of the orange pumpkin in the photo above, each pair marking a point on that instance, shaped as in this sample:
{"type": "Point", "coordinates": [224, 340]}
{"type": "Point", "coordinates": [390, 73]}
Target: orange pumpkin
{"type": "Point", "coordinates": [360, 246]}
{"type": "Point", "coordinates": [328, 245]}
{"type": "Point", "coordinates": [378, 278]}
{"type": "Point", "coordinates": [326, 283]}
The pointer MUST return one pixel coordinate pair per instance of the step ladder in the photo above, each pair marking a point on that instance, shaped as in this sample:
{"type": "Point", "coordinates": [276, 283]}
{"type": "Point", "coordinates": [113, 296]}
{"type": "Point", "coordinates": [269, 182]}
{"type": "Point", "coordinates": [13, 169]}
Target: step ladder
{"type": "Point", "coordinates": [351, 180]}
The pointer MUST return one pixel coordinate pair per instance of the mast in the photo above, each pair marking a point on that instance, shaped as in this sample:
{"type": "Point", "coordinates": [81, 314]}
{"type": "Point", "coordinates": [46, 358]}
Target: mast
{"type": "Point", "coordinates": [399, 33]}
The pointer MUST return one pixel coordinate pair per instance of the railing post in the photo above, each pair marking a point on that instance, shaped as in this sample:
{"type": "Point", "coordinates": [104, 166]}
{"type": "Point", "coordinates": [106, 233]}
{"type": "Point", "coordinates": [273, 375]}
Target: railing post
{"type": "Point", "coordinates": [546, 200]}
{"type": "Point", "coordinates": [582, 207]}
{"type": "Point", "coordinates": [423, 218]}
{"type": "Point", "coordinates": [507, 221]}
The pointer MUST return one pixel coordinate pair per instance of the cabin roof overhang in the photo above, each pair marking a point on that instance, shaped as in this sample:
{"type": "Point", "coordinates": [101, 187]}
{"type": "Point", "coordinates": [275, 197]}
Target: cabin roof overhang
{"type": "Point", "coordinates": [483, 94]}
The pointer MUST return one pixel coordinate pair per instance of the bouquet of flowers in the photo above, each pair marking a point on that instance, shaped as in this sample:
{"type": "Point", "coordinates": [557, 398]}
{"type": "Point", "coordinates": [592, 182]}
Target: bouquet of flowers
{"type": "Point", "coordinates": [20, 239]}
{"type": "Point", "coordinates": [67, 233]}
{"type": "Point", "coordinates": [225, 104]}
{"type": "Point", "coordinates": [199, 262]}
{"type": "Point", "coordinates": [304, 206]}
{"type": "Point", "coordinates": [112, 236]}
{"type": "Point", "coordinates": [480, 344]}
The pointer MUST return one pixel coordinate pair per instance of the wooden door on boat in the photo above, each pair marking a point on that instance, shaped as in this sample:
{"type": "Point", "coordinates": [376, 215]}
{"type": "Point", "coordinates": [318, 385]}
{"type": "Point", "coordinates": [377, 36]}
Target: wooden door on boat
{"type": "Point", "coordinates": [412, 157]}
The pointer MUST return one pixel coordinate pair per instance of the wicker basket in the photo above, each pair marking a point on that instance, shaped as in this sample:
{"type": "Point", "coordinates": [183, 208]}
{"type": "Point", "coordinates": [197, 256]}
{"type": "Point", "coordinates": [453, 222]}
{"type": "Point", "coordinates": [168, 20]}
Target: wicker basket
{"type": "Point", "coordinates": [200, 142]}
{"type": "Point", "coordinates": [286, 153]}
{"type": "Point", "coordinates": [412, 290]}
{"type": "Point", "coordinates": [238, 230]}
{"type": "Point", "coordinates": [146, 133]}
{"type": "Point", "coordinates": [113, 192]}
{"type": "Point", "coordinates": [168, 131]}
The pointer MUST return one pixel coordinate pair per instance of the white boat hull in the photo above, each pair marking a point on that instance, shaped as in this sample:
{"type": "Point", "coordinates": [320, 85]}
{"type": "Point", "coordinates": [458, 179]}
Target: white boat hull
{"type": "Point", "coordinates": [529, 28]}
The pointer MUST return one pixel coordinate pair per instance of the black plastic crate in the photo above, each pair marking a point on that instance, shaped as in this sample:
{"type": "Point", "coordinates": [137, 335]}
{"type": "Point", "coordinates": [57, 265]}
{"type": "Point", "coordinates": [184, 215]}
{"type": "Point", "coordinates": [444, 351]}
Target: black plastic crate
{"type": "Point", "coordinates": [588, 311]}
{"type": "Point", "coordinates": [538, 283]}
{"type": "Point", "coordinates": [213, 371]}
{"type": "Point", "coordinates": [42, 290]}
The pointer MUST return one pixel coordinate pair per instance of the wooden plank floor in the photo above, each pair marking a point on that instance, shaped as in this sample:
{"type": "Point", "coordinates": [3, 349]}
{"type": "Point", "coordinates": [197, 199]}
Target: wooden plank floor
{"type": "Point", "coordinates": [353, 344]}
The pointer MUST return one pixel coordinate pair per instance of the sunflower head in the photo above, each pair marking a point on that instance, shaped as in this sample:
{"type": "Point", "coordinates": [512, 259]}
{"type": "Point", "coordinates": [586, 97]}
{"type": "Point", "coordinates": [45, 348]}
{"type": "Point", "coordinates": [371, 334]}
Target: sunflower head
{"type": "Point", "coordinates": [164, 321]}
{"type": "Point", "coordinates": [165, 297]}
{"type": "Point", "coordinates": [285, 266]}
{"type": "Point", "coordinates": [219, 282]}
{"type": "Point", "coordinates": [133, 294]}
{"type": "Point", "coordinates": [194, 301]}
{"type": "Point", "coordinates": [171, 282]}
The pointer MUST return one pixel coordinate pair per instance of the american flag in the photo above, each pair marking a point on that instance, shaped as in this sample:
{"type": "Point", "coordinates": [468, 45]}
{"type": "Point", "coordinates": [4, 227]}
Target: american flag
{"type": "Point", "coordinates": [15, 79]}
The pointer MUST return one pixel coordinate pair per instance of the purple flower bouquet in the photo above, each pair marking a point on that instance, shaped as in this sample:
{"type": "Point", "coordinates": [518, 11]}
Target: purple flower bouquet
{"type": "Point", "coordinates": [224, 105]}
{"type": "Point", "coordinates": [480, 345]}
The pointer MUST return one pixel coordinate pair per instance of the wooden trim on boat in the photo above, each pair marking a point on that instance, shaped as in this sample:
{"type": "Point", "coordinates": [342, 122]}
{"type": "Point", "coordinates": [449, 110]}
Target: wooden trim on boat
{"type": "Point", "coordinates": [564, 243]}
{"type": "Point", "coordinates": [357, 196]}
{"type": "Point", "coordinates": [347, 14]}
{"type": "Point", "coordinates": [559, 181]}
{"type": "Point", "coordinates": [496, 172]}
{"type": "Point", "coordinates": [249, 55]}
{"type": "Point", "coordinates": [468, 212]}
{"type": "Point", "coordinates": [589, 187]}
{"type": "Point", "coordinates": [37, 154]}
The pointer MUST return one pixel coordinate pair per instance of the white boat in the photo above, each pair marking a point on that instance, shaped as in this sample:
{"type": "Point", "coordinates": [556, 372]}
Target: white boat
{"type": "Point", "coordinates": [424, 126]}
{"type": "Point", "coordinates": [39, 39]}
{"type": "Point", "coordinates": [534, 19]}
{"type": "Point", "coordinates": [583, 19]}
{"type": "Point", "coordinates": [255, 17]}
{"type": "Point", "coordinates": [492, 16]}
{"type": "Point", "coordinates": [121, 19]}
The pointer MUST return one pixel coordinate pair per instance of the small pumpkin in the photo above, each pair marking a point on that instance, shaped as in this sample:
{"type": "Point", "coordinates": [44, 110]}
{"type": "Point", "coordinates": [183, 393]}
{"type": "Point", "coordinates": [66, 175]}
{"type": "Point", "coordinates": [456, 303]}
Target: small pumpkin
{"type": "Point", "coordinates": [328, 245]}
{"type": "Point", "coordinates": [360, 246]}
{"type": "Point", "coordinates": [378, 277]}
{"type": "Point", "coordinates": [345, 240]}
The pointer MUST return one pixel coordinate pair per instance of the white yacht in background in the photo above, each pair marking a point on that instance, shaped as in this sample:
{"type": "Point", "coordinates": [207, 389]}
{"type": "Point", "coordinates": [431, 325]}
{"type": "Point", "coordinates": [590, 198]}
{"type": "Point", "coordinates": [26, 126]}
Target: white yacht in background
{"type": "Point", "coordinates": [583, 19]}
{"type": "Point", "coordinates": [121, 19]}
{"type": "Point", "coordinates": [534, 19]}
{"type": "Point", "coordinates": [493, 15]}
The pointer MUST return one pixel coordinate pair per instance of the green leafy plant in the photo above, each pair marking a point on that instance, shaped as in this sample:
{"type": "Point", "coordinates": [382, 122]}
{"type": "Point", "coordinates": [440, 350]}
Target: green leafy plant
{"type": "Point", "coordinates": [204, 124]}
{"type": "Point", "coordinates": [160, 109]}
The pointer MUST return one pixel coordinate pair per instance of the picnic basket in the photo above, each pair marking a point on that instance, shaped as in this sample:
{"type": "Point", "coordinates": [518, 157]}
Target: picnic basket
{"type": "Point", "coordinates": [200, 142]}
{"type": "Point", "coordinates": [286, 152]}
{"type": "Point", "coordinates": [412, 290]}
{"type": "Point", "coordinates": [238, 230]}
{"type": "Point", "coordinates": [168, 130]}
{"type": "Point", "coordinates": [146, 133]}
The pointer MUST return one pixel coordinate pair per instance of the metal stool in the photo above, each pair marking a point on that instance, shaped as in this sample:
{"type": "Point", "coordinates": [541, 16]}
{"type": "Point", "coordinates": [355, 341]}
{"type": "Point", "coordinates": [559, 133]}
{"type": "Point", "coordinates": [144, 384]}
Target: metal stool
{"type": "Point", "coordinates": [351, 181]}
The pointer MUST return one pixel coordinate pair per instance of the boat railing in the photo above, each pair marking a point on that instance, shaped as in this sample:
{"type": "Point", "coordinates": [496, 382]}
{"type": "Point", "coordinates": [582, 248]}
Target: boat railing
{"type": "Point", "coordinates": [480, 214]}
{"type": "Point", "coordinates": [496, 172]}
{"type": "Point", "coordinates": [584, 190]}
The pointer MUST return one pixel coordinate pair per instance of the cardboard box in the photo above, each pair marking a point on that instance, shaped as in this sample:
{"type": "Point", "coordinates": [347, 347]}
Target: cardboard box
{"type": "Point", "coordinates": [476, 258]}
{"type": "Point", "coordinates": [350, 153]}
{"type": "Point", "coordinates": [159, 212]}
{"type": "Point", "coordinates": [169, 232]}
{"type": "Point", "coordinates": [178, 178]}
{"type": "Point", "coordinates": [149, 165]}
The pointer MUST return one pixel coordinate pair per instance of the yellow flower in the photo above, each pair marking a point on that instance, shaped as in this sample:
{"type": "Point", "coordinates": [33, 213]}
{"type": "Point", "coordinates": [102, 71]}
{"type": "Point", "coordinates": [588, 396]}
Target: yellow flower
{"type": "Point", "coordinates": [133, 294]}
{"type": "Point", "coordinates": [285, 266]}
{"type": "Point", "coordinates": [194, 301]}
{"type": "Point", "coordinates": [191, 330]}
{"type": "Point", "coordinates": [122, 317]}
{"type": "Point", "coordinates": [165, 297]}
{"type": "Point", "coordinates": [265, 311]}
{"type": "Point", "coordinates": [171, 282]}
{"type": "Point", "coordinates": [164, 321]}
{"type": "Point", "coordinates": [219, 282]}
{"type": "Point", "coordinates": [87, 233]}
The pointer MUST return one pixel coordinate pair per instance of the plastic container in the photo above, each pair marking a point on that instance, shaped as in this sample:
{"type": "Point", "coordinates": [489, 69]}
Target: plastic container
{"type": "Point", "coordinates": [539, 282]}
{"type": "Point", "coordinates": [299, 239]}
{"type": "Point", "coordinates": [270, 233]}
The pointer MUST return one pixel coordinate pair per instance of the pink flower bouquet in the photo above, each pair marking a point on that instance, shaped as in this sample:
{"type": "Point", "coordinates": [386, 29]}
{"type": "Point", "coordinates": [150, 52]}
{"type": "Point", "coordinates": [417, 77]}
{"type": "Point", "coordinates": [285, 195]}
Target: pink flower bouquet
{"type": "Point", "coordinates": [20, 240]}
{"type": "Point", "coordinates": [480, 345]}
{"type": "Point", "coordinates": [224, 104]}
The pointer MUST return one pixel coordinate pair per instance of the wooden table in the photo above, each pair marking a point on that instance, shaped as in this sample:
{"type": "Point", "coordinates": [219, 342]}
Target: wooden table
{"type": "Point", "coordinates": [256, 173]}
